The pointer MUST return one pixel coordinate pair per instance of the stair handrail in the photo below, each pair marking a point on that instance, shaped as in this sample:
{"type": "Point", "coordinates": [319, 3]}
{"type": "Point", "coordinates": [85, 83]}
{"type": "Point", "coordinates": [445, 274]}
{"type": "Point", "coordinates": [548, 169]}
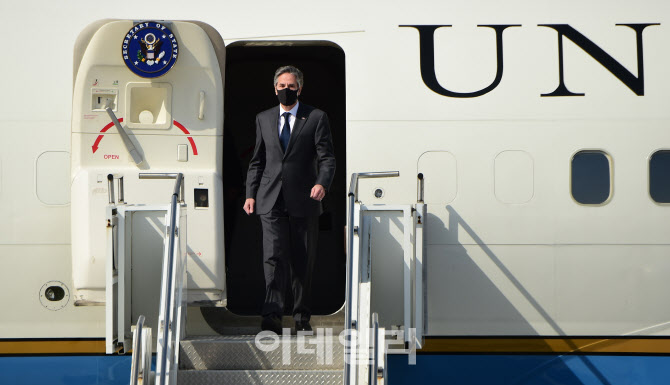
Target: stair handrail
{"type": "Point", "coordinates": [374, 361]}
{"type": "Point", "coordinates": [170, 282]}
{"type": "Point", "coordinates": [141, 358]}
{"type": "Point", "coordinates": [137, 352]}
{"type": "Point", "coordinates": [353, 198]}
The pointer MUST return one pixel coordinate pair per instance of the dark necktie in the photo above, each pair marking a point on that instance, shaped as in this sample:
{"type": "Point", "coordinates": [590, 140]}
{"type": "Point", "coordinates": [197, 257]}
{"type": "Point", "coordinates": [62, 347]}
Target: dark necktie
{"type": "Point", "coordinates": [285, 131]}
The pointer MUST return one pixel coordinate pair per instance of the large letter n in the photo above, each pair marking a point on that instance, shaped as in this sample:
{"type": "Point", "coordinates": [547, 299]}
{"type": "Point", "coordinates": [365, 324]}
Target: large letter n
{"type": "Point", "coordinates": [636, 84]}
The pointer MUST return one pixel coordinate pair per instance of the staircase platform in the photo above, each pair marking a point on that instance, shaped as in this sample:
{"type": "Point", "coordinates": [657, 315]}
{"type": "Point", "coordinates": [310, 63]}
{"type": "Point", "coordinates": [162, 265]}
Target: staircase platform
{"type": "Point", "coordinates": [288, 352]}
{"type": "Point", "coordinates": [260, 377]}
{"type": "Point", "coordinates": [233, 356]}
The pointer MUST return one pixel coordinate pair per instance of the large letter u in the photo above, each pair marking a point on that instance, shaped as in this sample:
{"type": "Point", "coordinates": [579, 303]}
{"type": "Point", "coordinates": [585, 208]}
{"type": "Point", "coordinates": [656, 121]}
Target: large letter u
{"type": "Point", "coordinates": [427, 59]}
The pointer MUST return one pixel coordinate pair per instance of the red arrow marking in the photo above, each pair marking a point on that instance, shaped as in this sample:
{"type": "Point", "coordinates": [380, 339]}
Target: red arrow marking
{"type": "Point", "coordinates": [95, 145]}
{"type": "Point", "coordinates": [190, 139]}
{"type": "Point", "coordinates": [110, 125]}
{"type": "Point", "coordinates": [104, 129]}
{"type": "Point", "coordinates": [176, 123]}
{"type": "Point", "coordinates": [195, 149]}
{"type": "Point", "coordinates": [181, 127]}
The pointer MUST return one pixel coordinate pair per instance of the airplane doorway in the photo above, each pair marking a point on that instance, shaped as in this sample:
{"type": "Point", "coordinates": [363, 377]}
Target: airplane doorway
{"type": "Point", "coordinates": [250, 68]}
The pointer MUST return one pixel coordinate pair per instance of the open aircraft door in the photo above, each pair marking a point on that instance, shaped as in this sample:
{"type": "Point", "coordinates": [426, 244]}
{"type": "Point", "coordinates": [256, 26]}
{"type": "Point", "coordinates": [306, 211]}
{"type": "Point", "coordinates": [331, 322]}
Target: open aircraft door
{"type": "Point", "coordinates": [147, 100]}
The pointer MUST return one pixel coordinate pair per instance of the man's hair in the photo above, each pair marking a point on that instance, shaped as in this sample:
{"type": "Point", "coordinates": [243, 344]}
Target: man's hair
{"type": "Point", "coordinates": [289, 70]}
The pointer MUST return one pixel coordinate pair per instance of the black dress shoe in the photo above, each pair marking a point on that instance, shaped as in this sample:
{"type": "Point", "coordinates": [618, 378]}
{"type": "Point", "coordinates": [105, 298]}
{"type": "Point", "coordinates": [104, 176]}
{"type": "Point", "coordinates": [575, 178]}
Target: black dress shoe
{"type": "Point", "coordinates": [303, 326]}
{"type": "Point", "coordinates": [272, 323]}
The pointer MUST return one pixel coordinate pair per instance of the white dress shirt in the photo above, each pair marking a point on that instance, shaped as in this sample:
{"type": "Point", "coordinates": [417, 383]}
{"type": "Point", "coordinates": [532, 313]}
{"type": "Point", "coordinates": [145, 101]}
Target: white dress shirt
{"type": "Point", "coordinates": [291, 120]}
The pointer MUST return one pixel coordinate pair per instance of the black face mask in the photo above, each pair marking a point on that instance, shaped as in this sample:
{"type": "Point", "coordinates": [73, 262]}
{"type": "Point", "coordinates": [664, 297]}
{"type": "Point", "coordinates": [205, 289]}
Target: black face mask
{"type": "Point", "coordinates": [287, 96]}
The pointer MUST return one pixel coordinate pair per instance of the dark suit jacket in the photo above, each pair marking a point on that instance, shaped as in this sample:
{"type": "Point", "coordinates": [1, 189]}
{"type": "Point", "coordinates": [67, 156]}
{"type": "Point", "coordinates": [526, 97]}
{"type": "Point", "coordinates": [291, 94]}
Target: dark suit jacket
{"type": "Point", "coordinates": [309, 160]}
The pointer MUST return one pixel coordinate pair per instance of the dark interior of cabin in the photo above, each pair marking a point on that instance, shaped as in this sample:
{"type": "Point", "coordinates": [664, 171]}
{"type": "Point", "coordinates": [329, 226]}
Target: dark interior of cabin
{"type": "Point", "coordinates": [250, 68]}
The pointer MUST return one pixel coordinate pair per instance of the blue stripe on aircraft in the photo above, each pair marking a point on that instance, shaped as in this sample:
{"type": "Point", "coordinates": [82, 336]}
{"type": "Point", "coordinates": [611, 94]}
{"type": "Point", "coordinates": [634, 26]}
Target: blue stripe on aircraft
{"type": "Point", "coordinates": [65, 370]}
{"type": "Point", "coordinates": [529, 369]}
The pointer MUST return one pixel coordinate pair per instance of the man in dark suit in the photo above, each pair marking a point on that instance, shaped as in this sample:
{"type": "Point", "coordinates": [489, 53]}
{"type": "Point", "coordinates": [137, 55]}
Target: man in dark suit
{"type": "Point", "coordinates": [289, 174]}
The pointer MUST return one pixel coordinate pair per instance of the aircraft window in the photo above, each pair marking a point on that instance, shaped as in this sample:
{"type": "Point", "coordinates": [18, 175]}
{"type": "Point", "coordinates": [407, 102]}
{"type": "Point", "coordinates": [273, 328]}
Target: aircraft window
{"type": "Point", "coordinates": [591, 177]}
{"type": "Point", "coordinates": [659, 176]}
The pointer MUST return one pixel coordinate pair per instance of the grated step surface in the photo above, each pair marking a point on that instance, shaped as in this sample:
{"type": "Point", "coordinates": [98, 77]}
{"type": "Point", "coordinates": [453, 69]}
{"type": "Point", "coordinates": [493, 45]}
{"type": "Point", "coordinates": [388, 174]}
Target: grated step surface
{"type": "Point", "coordinates": [317, 352]}
{"type": "Point", "coordinates": [260, 377]}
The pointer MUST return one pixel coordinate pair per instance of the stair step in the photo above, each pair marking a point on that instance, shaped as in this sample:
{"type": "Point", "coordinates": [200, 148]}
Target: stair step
{"type": "Point", "coordinates": [286, 353]}
{"type": "Point", "coordinates": [260, 377]}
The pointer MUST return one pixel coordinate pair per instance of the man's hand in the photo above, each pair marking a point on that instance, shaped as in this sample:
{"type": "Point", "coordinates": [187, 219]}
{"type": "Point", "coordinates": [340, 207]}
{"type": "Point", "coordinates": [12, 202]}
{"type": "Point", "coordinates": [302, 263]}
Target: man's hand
{"type": "Point", "coordinates": [249, 205]}
{"type": "Point", "coordinates": [318, 192]}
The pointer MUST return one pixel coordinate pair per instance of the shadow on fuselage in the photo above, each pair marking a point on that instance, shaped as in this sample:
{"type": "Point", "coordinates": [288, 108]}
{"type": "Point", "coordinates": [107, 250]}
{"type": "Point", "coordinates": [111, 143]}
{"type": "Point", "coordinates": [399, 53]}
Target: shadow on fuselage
{"type": "Point", "coordinates": [469, 289]}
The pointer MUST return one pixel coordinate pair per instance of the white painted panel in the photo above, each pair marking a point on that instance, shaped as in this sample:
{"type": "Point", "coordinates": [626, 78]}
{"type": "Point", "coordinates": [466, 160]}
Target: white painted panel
{"type": "Point", "coordinates": [440, 176]}
{"type": "Point", "coordinates": [489, 290]}
{"type": "Point", "coordinates": [27, 220]}
{"type": "Point", "coordinates": [612, 289]}
{"type": "Point", "coordinates": [547, 290]}
{"type": "Point", "coordinates": [52, 177]}
{"type": "Point", "coordinates": [514, 177]}
{"type": "Point", "coordinates": [27, 269]}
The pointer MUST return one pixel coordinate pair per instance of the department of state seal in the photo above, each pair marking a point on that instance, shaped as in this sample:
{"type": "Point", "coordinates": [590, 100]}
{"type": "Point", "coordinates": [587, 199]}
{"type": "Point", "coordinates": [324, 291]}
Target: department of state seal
{"type": "Point", "coordinates": [150, 49]}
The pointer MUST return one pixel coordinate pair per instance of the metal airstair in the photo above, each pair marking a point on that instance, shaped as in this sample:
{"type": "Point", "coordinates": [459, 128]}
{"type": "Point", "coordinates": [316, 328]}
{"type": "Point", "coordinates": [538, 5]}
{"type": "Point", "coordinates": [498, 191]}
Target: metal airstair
{"type": "Point", "coordinates": [286, 359]}
{"type": "Point", "coordinates": [347, 348]}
